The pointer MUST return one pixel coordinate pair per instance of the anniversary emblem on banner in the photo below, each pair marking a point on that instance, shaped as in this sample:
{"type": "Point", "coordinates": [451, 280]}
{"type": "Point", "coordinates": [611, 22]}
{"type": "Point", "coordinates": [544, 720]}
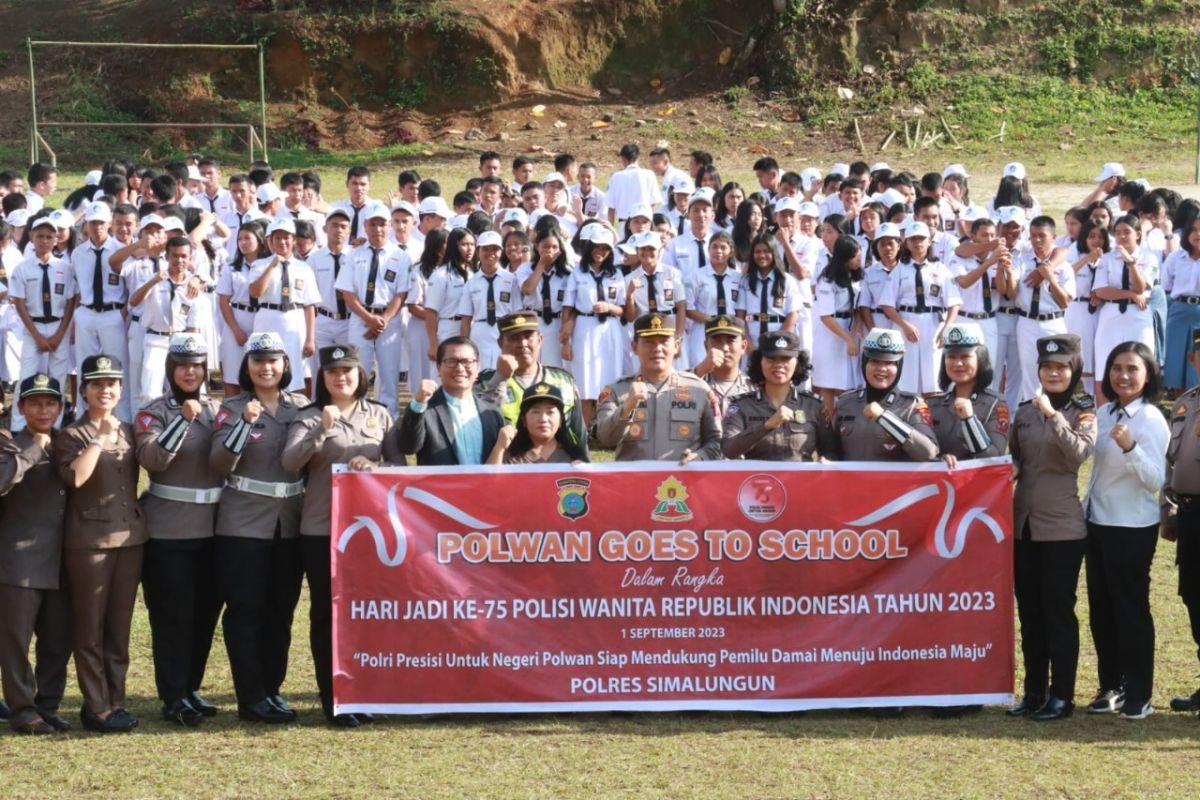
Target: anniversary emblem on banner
{"type": "Point", "coordinates": [657, 588]}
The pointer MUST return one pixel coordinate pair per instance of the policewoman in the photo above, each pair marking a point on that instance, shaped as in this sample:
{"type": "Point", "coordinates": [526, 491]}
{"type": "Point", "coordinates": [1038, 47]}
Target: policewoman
{"type": "Point", "coordinates": [33, 599]}
{"type": "Point", "coordinates": [257, 545]}
{"type": "Point", "coordinates": [778, 421]}
{"type": "Point", "coordinates": [1052, 435]}
{"type": "Point", "coordinates": [341, 427]}
{"type": "Point", "coordinates": [540, 435]}
{"type": "Point", "coordinates": [174, 438]}
{"type": "Point", "coordinates": [969, 419]}
{"type": "Point", "coordinates": [879, 422]}
{"type": "Point", "coordinates": [103, 543]}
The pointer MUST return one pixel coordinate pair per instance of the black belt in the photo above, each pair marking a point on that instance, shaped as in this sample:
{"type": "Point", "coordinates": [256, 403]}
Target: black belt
{"type": "Point", "coordinates": [1088, 300]}
{"type": "Point", "coordinates": [1012, 311]}
{"type": "Point", "coordinates": [1191, 301]}
{"type": "Point", "coordinates": [132, 318]}
{"type": "Point", "coordinates": [45, 319]}
{"type": "Point", "coordinates": [209, 289]}
{"type": "Point", "coordinates": [1043, 317]}
{"type": "Point", "coordinates": [243, 307]}
{"type": "Point", "coordinates": [604, 317]}
{"type": "Point", "coordinates": [915, 310]}
{"type": "Point", "coordinates": [332, 314]}
{"type": "Point", "coordinates": [767, 318]}
{"type": "Point", "coordinates": [842, 314]}
{"type": "Point", "coordinates": [279, 307]}
{"type": "Point", "coordinates": [158, 333]}
{"type": "Point", "coordinates": [105, 307]}
{"type": "Point", "coordinates": [977, 314]}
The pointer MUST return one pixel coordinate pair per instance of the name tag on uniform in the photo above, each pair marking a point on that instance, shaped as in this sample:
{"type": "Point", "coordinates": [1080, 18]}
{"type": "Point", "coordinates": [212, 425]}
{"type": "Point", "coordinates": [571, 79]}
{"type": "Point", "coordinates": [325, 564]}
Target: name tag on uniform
{"type": "Point", "coordinates": [390, 275]}
{"type": "Point", "coordinates": [372, 422]}
{"type": "Point", "coordinates": [114, 279]}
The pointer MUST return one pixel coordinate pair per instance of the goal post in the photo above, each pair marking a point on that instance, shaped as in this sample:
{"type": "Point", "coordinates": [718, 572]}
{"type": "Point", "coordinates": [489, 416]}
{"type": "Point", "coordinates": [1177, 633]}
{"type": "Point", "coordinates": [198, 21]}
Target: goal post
{"type": "Point", "coordinates": [38, 143]}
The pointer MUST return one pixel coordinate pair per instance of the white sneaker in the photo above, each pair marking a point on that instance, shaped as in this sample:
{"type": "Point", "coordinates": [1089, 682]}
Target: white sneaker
{"type": "Point", "coordinates": [1139, 713]}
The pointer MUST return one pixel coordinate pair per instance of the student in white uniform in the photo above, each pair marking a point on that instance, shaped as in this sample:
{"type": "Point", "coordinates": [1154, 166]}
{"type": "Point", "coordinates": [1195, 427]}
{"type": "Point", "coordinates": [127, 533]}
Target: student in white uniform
{"type": "Point", "coordinates": [688, 252]}
{"type": "Point", "coordinates": [1181, 282]}
{"type": "Point", "coordinates": [1045, 288]}
{"type": "Point", "coordinates": [654, 287]}
{"type": "Point", "coordinates": [1122, 283]}
{"type": "Point", "coordinates": [631, 186]}
{"type": "Point", "coordinates": [768, 299]}
{"type": "Point", "coordinates": [10, 323]}
{"type": "Point", "coordinates": [713, 291]}
{"type": "Point", "coordinates": [885, 248]}
{"type": "Point", "coordinates": [596, 298]}
{"type": "Point", "coordinates": [544, 286]}
{"type": "Point", "coordinates": [921, 299]}
{"type": "Point", "coordinates": [43, 293]}
{"type": "Point", "coordinates": [1083, 314]}
{"type": "Point", "coordinates": [799, 256]}
{"type": "Point", "coordinates": [165, 307]}
{"type": "Point", "coordinates": [287, 297]}
{"type": "Point", "coordinates": [327, 263]}
{"type": "Point", "coordinates": [490, 294]}
{"type": "Point", "coordinates": [236, 305]}
{"type": "Point", "coordinates": [445, 289]}
{"type": "Point", "coordinates": [370, 286]}
{"type": "Point", "coordinates": [99, 323]}
{"type": "Point", "coordinates": [433, 253]}
{"type": "Point", "coordinates": [836, 332]}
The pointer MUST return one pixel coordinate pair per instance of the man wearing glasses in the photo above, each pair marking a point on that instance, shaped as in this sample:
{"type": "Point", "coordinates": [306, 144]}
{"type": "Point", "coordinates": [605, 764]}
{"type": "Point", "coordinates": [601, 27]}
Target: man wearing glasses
{"type": "Point", "coordinates": [449, 425]}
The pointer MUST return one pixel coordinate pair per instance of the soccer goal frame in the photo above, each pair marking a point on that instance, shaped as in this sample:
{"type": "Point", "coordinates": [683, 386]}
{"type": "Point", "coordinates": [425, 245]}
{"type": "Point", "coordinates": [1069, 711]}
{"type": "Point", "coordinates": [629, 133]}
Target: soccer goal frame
{"type": "Point", "coordinates": [254, 137]}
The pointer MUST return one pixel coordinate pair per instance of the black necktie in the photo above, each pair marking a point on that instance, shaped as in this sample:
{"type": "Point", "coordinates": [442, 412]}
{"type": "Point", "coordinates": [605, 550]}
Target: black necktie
{"type": "Point", "coordinates": [700, 249]}
{"type": "Point", "coordinates": [651, 293]}
{"type": "Point", "coordinates": [919, 287]}
{"type": "Point", "coordinates": [337, 268]}
{"type": "Point", "coordinates": [1124, 304]}
{"type": "Point", "coordinates": [98, 281]}
{"type": "Point", "coordinates": [1035, 300]}
{"type": "Point", "coordinates": [987, 293]}
{"type": "Point", "coordinates": [720, 293]}
{"type": "Point", "coordinates": [598, 277]}
{"type": "Point", "coordinates": [547, 311]}
{"type": "Point", "coordinates": [46, 312]}
{"type": "Point", "coordinates": [372, 274]}
{"type": "Point", "coordinates": [285, 287]}
{"type": "Point", "coordinates": [295, 215]}
{"type": "Point", "coordinates": [583, 201]}
{"type": "Point", "coordinates": [765, 305]}
{"type": "Point", "coordinates": [170, 306]}
{"type": "Point", "coordinates": [354, 222]}
{"type": "Point", "coordinates": [682, 222]}
{"type": "Point", "coordinates": [491, 298]}
{"type": "Point", "coordinates": [212, 203]}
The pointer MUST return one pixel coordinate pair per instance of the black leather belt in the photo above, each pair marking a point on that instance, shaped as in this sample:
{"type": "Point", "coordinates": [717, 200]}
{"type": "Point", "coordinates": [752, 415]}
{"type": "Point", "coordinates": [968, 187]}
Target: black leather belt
{"type": "Point", "coordinates": [1191, 301]}
{"type": "Point", "coordinates": [158, 333]}
{"type": "Point", "coordinates": [243, 307]}
{"type": "Point", "coordinates": [767, 318]}
{"type": "Point", "coordinates": [843, 314]}
{"type": "Point", "coordinates": [132, 318]}
{"type": "Point", "coordinates": [1043, 317]}
{"type": "Point", "coordinates": [1010, 310]}
{"type": "Point", "coordinates": [977, 314]}
{"type": "Point", "coordinates": [332, 314]}
{"type": "Point", "coordinates": [915, 310]}
{"type": "Point", "coordinates": [106, 307]}
{"type": "Point", "coordinates": [45, 319]}
{"type": "Point", "coordinates": [279, 307]}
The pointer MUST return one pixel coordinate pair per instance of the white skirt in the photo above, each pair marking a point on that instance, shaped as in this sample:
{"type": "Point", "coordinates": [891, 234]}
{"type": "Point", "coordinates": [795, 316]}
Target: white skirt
{"type": "Point", "coordinates": [922, 359]}
{"type": "Point", "coordinates": [833, 368]}
{"type": "Point", "coordinates": [1114, 328]}
{"type": "Point", "coordinates": [420, 366]}
{"type": "Point", "coordinates": [599, 349]}
{"type": "Point", "coordinates": [291, 329]}
{"type": "Point", "coordinates": [551, 346]}
{"type": "Point", "coordinates": [231, 351]}
{"type": "Point", "coordinates": [1082, 323]}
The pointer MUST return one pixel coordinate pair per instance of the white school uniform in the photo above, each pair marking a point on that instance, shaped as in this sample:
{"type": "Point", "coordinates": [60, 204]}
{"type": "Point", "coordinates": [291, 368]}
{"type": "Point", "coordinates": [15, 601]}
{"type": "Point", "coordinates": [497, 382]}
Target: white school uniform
{"type": "Point", "coordinates": [979, 303]}
{"type": "Point", "coordinates": [10, 323]}
{"type": "Point", "coordinates": [381, 353]}
{"type": "Point", "coordinates": [420, 366]}
{"type": "Point", "coordinates": [166, 309]}
{"type": "Point", "coordinates": [832, 365]}
{"type": "Point", "coordinates": [99, 323]}
{"type": "Point", "coordinates": [333, 326]}
{"type": "Point", "coordinates": [689, 255]}
{"type": "Point", "coordinates": [1123, 321]}
{"type": "Point", "coordinates": [875, 280]}
{"type": "Point", "coordinates": [632, 186]}
{"type": "Point", "coordinates": [134, 273]}
{"type": "Point", "coordinates": [234, 283]}
{"type": "Point", "coordinates": [923, 359]}
{"type": "Point", "coordinates": [442, 295]}
{"type": "Point", "coordinates": [1081, 317]}
{"type": "Point", "coordinates": [1051, 318]}
{"type": "Point", "coordinates": [669, 289]}
{"type": "Point", "coordinates": [600, 344]}
{"type": "Point", "coordinates": [707, 290]}
{"type": "Point", "coordinates": [290, 325]}
{"type": "Point", "coordinates": [26, 284]}
{"type": "Point", "coordinates": [595, 203]}
{"type": "Point", "coordinates": [473, 303]}
{"type": "Point", "coordinates": [547, 300]}
{"type": "Point", "coordinates": [808, 251]}
{"type": "Point", "coordinates": [763, 310]}
{"type": "Point", "coordinates": [358, 216]}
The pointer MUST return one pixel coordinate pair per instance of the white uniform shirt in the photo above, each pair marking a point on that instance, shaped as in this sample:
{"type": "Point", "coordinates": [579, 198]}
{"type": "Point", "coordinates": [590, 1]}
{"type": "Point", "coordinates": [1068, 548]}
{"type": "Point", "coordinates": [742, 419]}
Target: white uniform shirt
{"type": "Point", "coordinates": [1110, 271]}
{"type": "Point", "coordinates": [167, 311]}
{"type": "Point", "coordinates": [630, 186]}
{"type": "Point", "coordinates": [583, 292]}
{"type": "Point", "coordinates": [1025, 264]}
{"type": "Point", "coordinates": [972, 296]}
{"type": "Point", "coordinates": [1123, 488]}
{"type": "Point", "coordinates": [391, 274]}
{"type": "Point", "coordinates": [559, 288]}
{"type": "Point", "coordinates": [221, 204]}
{"type": "Point", "coordinates": [443, 292]}
{"type": "Point", "coordinates": [704, 295]}
{"type": "Point", "coordinates": [875, 280]}
{"type": "Point", "coordinates": [684, 253]}
{"type": "Point", "coordinates": [750, 298]}
{"type": "Point", "coordinates": [321, 262]}
{"type": "Point", "coordinates": [25, 283]}
{"type": "Point", "coordinates": [941, 291]}
{"type": "Point", "coordinates": [235, 284]}
{"type": "Point", "coordinates": [1181, 275]}
{"type": "Point", "coordinates": [595, 204]}
{"type": "Point", "coordinates": [83, 264]}
{"type": "Point", "coordinates": [506, 296]}
{"type": "Point", "coordinates": [669, 289]}
{"type": "Point", "coordinates": [303, 289]}
{"type": "Point", "coordinates": [832, 299]}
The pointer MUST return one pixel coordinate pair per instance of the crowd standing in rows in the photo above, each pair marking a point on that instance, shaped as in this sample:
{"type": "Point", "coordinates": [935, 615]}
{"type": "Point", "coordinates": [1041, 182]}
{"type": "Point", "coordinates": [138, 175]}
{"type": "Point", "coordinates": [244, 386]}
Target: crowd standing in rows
{"type": "Point", "coordinates": [862, 314]}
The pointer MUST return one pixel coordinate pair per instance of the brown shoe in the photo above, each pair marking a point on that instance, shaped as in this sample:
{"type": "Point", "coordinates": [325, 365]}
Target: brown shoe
{"type": "Point", "coordinates": [35, 727]}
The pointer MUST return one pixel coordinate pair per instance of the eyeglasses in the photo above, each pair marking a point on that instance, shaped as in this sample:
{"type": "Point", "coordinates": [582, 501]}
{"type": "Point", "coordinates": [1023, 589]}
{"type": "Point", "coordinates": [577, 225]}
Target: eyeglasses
{"type": "Point", "coordinates": [455, 363]}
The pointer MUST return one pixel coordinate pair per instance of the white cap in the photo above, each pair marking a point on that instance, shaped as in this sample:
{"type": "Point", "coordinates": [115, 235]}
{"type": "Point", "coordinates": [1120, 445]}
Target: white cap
{"type": "Point", "coordinates": [62, 218]}
{"type": "Point", "coordinates": [972, 213]}
{"type": "Point", "coordinates": [914, 230]}
{"type": "Point", "coordinates": [1142, 182]}
{"type": "Point", "coordinates": [808, 209]}
{"type": "Point", "coordinates": [194, 173]}
{"type": "Point", "coordinates": [17, 217]}
{"type": "Point", "coordinates": [683, 183]}
{"type": "Point", "coordinates": [97, 212]}
{"type": "Point", "coordinates": [93, 178]}
{"type": "Point", "coordinates": [599, 234]}
{"type": "Point", "coordinates": [840, 169]}
{"type": "Point", "coordinates": [1008, 214]}
{"type": "Point", "coordinates": [284, 224]}
{"type": "Point", "coordinates": [515, 215]}
{"type": "Point", "coordinates": [889, 197]}
{"type": "Point", "coordinates": [645, 239]}
{"type": "Point", "coordinates": [254, 215]}
{"type": "Point", "coordinates": [267, 193]}
{"type": "Point", "coordinates": [887, 230]}
{"type": "Point", "coordinates": [434, 205]}
{"type": "Point", "coordinates": [955, 169]}
{"type": "Point", "coordinates": [378, 211]}
{"type": "Point", "coordinates": [787, 203]}
{"type": "Point", "coordinates": [878, 165]}
{"type": "Point", "coordinates": [43, 222]}
{"type": "Point", "coordinates": [263, 342]}
{"type": "Point", "coordinates": [489, 239]}
{"type": "Point", "coordinates": [1110, 170]}
{"type": "Point", "coordinates": [703, 195]}
{"type": "Point", "coordinates": [173, 223]}
{"type": "Point", "coordinates": [404, 205]}
{"type": "Point", "coordinates": [809, 176]}
{"type": "Point", "coordinates": [641, 210]}
{"type": "Point", "coordinates": [457, 221]}
{"type": "Point", "coordinates": [148, 220]}
{"type": "Point", "coordinates": [555, 177]}
{"type": "Point", "coordinates": [1015, 170]}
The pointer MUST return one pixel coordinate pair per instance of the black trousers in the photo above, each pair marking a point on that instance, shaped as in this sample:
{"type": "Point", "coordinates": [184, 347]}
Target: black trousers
{"type": "Point", "coordinates": [180, 587]}
{"type": "Point", "coordinates": [1045, 577]}
{"type": "Point", "coordinates": [1118, 576]}
{"type": "Point", "coordinates": [259, 581]}
{"type": "Point", "coordinates": [1187, 559]}
{"type": "Point", "coordinates": [315, 553]}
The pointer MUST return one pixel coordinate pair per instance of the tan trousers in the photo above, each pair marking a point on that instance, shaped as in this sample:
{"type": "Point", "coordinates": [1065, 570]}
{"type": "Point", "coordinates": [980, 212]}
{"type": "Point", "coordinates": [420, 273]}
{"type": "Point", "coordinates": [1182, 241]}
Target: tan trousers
{"type": "Point", "coordinates": [25, 613]}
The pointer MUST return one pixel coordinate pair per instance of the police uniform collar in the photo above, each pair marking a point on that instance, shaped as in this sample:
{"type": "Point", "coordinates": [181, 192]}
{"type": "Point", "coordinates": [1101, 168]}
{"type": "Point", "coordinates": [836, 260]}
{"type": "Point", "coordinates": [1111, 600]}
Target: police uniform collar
{"type": "Point", "coordinates": [890, 399]}
{"type": "Point", "coordinates": [172, 402]}
{"type": "Point", "coordinates": [862, 393]}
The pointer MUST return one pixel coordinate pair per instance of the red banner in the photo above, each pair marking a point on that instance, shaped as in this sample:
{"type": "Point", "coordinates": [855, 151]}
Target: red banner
{"type": "Point", "coordinates": [645, 587]}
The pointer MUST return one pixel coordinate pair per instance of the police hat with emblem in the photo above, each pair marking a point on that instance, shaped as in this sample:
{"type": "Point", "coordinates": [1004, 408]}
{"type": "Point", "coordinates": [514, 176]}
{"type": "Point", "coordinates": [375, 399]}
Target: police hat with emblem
{"type": "Point", "coordinates": [725, 324]}
{"type": "Point", "coordinates": [962, 337]}
{"type": "Point", "coordinates": [264, 343]}
{"type": "Point", "coordinates": [653, 324]}
{"type": "Point", "coordinates": [540, 392]}
{"type": "Point", "coordinates": [1063, 348]}
{"type": "Point", "coordinates": [517, 323]}
{"type": "Point", "coordinates": [779, 344]}
{"type": "Point", "coordinates": [101, 366]}
{"type": "Point", "coordinates": [884, 344]}
{"type": "Point", "coordinates": [39, 383]}
{"type": "Point", "coordinates": [339, 355]}
{"type": "Point", "coordinates": [187, 348]}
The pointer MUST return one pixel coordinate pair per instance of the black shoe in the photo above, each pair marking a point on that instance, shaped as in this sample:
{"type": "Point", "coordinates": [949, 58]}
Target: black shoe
{"type": "Point", "coordinates": [345, 721]}
{"type": "Point", "coordinates": [200, 704]}
{"type": "Point", "coordinates": [113, 724]}
{"type": "Point", "coordinates": [182, 712]}
{"type": "Point", "coordinates": [281, 704]}
{"type": "Point", "coordinates": [1189, 703]}
{"type": "Point", "coordinates": [1107, 701]}
{"type": "Point", "coordinates": [1027, 705]}
{"type": "Point", "coordinates": [265, 711]}
{"type": "Point", "coordinates": [125, 718]}
{"type": "Point", "coordinates": [35, 727]}
{"type": "Point", "coordinates": [366, 719]}
{"type": "Point", "coordinates": [1054, 708]}
{"type": "Point", "coordinates": [55, 721]}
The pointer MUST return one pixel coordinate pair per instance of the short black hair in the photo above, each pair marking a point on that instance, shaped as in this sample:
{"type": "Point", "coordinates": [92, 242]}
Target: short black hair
{"type": "Point", "coordinates": [660, 151]}
{"type": "Point", "coordinates": [629, 152]}
{"type": "Point", "coordinates": [408, 177]}
{"type": "Point", "coordinates": [178, 241]}
{"type": "Point", "coordinates": [429, 188]}
{"type": "Point", "coordinates": [358, 171]}
{"type": "Point", "coordinates": [113, 184]}
{"type": "Point", "coordinates": [40, 172]}
{"type": "Point", "coordinates": [702, 157]}
{"type": "Point", "coordinates": [931, 181]}
{"type": "Point", "coordinates": [521, 161]}
{"type": "Point", "coordinates": [456, 341]}
{"type": "Point", "coordinates": [312, 181]}
{"type": "Point", "coordinates": [164, 188]}
{"type": "Point", "coordinates": [562, 161]}
{"type": "Point", "coordinates": [291, 179]}
{"type": "Point", "coordinates": [305, 229]}
{"type": "Point", "coordinates": [321, 396]}
{"type": "Point", "coordinates": [1042, 221]}
{"type": "Point", "coordinates": [983, 375]}
{"type": "Point", "coordinates": [248, 385]}
{"type": "Point", "coordinates": [488, 155]}
{"type": "Point", "coordinates": [766, 164]}
{"type": "Point", "coordinates": [261, 175]}
{"type": "Point", "coordinates": [754, 370]}
{"type": "Point", "coordinates": [1154, 379]}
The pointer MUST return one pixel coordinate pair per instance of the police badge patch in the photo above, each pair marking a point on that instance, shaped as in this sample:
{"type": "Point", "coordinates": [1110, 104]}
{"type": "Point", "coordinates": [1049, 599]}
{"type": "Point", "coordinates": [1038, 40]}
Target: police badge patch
{"type": "Point", "coordinates": [572, 497]}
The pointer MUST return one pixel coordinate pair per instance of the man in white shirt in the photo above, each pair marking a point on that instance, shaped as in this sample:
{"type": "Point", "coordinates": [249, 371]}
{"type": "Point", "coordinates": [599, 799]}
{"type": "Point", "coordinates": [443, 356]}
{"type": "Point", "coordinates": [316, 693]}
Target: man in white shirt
{"type": "Point", "coordinates": [42, 182]}
{"type": "Point", "coordinates": [99, 323]}
{"type": "Point", "coordinates": [630, 186]}
{"type": "Point", "coordinates": [358, 184]}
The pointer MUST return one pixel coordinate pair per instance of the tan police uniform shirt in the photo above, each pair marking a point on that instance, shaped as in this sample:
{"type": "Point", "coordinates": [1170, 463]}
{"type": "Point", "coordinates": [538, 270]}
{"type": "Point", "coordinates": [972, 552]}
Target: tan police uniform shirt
{"type": "Point", "coordinates": [34, 509]}
{"type": "Point", "coordinates": [1183, 448]}
{"type": "Point", "coordinates": [862, 439]}
{"type": "Point", "coordinates": [950, 430]}
{"type": "Point", "coordinates": [104, 513]}
{"type": "Point", "coordinates": [745, 434]}
{"type": "Point", "coordinates": [188, 468]}
{"type": "Point", "coordinates": [679, 414]}
{"type": "Point", "coordinates": [1047, 455]}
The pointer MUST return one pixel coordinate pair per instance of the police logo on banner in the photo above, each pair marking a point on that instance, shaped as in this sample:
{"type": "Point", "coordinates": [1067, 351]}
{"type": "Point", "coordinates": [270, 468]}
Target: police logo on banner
{"type": "Point", "coordinates": [573, 497]}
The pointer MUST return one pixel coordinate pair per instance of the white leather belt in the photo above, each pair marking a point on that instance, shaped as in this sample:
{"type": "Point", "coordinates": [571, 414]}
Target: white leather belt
{"type": "Point", "coordinates": [183, 495]}
{"type": "Point", "coordinates": [265, 488]}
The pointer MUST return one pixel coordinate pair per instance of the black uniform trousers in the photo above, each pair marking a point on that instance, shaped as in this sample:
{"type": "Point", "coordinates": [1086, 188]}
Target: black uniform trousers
{"type": "Point", "coordinates": [180, 588]}
{"type": "Point", "coordinates": [1118, 576]}
{"type": "Point", "coordinates": [25, 613]}
{"type": "Point", "coordinates": [259, 581]}
{"type": "Point", "coordinates": [1045, 577]}
{"type": "Point", "coordinates": [315, 553]}
{"type": "Point", "coordinates": [1187, 559]}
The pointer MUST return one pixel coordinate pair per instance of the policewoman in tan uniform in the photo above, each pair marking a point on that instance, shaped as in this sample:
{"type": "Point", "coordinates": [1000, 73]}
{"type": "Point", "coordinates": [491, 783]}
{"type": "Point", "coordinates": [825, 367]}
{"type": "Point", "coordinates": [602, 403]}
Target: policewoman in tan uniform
{"type": "Point", "coordinates": [341, 427]}
{"type": "Point", "coordinates": [659, 414]}
{"type": "Point", "coordinates": [257, 547]}
{"type": "Point", "coordinates": [541, 435]}
{"type": "Point", "coordinates": [103, 544]}
{"type": "Point", "coordinates": [969, 419]}
{"type": "Point", "coordinates": [174, 438]}
{"type": "Point", "coordinates": [1052, 435]}
{"type": "Point", "coordinates": [778, 421]}
{"type": "Point", "coordinates": [879, 422]}
{"type": "Point", "coordinates": [33, 599]}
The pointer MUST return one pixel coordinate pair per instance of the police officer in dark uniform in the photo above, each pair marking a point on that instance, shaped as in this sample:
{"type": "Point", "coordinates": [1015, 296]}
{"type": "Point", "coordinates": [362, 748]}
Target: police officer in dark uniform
{"type": "Point", "coordinates": [342, 426]}
{"type": "Point", "coordinates": [879, 422]}
{"type": "Point", "coordinates": [1052, 435]}
{"type": "Point", "coordinates": [969, 419]}
{"type": "Point", "coordinates": [33, 599]}
{"type": "Point", "coordinates": [174, 438]}
{"type": "Point", "coordinates": [778, 421]}
{"type": "Point", "coordinates": [658, 414]}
